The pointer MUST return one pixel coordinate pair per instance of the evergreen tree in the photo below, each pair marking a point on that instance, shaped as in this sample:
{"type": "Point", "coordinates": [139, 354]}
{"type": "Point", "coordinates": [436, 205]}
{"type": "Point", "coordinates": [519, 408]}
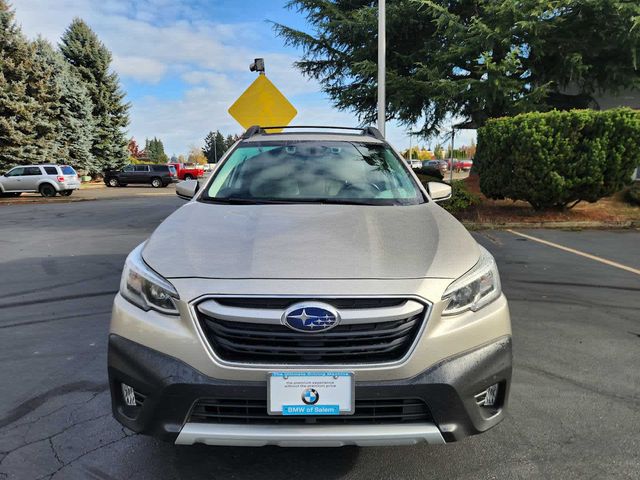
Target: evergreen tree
{"type": "Point", "coordinates": [154, 150]}
{"type": "Point", "coordinates": [67, 116]}
{"type": "Point", "coordinates": [209, 149]}
{"type": "Point", "coordinates": [474, 59]}
{"type": "Point", "coordinates": [91, 60]}
{"type": "Point", "coordinates": [229, 141]}
{"type": "Point", "coordinates": [220, 145]}
{"type": "Point", "coordinates": [17, 108]}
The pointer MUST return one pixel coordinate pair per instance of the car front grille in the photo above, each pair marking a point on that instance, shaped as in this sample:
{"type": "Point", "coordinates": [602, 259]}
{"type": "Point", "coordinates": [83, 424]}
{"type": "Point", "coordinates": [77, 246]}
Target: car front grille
{"type": "Point", "coordinates": [374, 411]}
{"type": "Point", "coordinates": [262, 339]}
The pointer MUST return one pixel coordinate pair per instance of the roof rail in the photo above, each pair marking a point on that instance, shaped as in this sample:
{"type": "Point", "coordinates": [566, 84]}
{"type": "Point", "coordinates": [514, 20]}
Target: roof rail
{"type": "Point", "coordinates": [257, 130]}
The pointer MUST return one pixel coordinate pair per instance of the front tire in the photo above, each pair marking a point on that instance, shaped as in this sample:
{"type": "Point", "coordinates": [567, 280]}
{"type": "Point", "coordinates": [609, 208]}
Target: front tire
{"type": "Point", "coordinates": [156, 182]}
{"type": "Point", "coordinates": [66, 193]}
{"type": "Point", "coordinates": [113, 182]}
{"type": "Point", "coordinates": [188, 177]}
{"type": "Point", "coordinates": [47, 190]}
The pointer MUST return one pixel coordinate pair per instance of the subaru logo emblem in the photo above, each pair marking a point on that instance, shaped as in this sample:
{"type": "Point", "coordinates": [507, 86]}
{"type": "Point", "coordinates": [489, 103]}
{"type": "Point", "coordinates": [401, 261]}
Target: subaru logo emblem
{"type": "Point", "coordinates": [310, 396]}
{"type": "Point", "coordinates": [311, 317]}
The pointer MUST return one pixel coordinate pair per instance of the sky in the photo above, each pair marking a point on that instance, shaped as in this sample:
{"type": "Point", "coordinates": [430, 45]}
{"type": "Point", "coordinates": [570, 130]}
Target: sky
{"type": "Point", "coordinates": [183, 63]}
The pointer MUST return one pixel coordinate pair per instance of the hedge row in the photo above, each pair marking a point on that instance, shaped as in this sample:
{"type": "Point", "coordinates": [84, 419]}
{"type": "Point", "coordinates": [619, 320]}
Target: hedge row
{"type": "Point", "coordinates": [557, 159]}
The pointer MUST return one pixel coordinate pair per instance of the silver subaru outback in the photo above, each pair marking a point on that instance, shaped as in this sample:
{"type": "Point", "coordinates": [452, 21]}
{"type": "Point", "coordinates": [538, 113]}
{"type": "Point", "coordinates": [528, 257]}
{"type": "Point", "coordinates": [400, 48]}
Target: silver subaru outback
{"type": "Point", "coordinates": [315, 295]}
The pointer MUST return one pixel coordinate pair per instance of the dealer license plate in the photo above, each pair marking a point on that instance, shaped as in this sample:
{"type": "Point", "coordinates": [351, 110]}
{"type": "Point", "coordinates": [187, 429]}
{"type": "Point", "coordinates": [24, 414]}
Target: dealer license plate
{"type": "Point", "coordinates": [311, 393]}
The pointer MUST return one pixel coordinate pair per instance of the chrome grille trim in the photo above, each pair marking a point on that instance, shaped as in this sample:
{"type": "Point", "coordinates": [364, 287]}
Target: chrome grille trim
{"type": "Point", "coordinates": [273, 316]}
{"type": "Point", "coordinates": [268, 366]}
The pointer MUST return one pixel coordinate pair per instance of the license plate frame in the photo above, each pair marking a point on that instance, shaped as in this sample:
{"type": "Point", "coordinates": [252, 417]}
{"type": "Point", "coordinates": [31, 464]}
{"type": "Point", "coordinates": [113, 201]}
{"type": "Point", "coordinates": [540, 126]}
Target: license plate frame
{"type": "Point", "coordinates": [286, 389]}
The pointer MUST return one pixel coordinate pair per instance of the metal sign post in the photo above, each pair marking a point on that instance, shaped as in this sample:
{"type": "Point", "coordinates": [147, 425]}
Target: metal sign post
{"type": "Point", "coordinates": [382, 45]}
{"type": "Point", "coordinates": [453, 136]}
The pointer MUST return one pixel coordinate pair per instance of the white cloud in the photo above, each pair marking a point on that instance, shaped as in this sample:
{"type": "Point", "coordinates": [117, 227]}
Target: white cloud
{"type": "Point", "coordinates": [142, 69]}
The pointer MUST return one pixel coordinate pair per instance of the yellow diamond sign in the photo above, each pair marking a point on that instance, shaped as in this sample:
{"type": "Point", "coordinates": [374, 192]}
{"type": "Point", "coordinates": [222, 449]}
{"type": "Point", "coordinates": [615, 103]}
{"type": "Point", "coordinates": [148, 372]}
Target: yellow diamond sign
{"type": "Point", "coordinates": [262, 104]}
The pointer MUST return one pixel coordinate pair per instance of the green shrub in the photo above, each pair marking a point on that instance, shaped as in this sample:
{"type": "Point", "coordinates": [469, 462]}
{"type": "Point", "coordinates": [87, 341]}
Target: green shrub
{"type": "Point", "coordinates": [633, 194]}
{"type": "Point", "coordinates": [556, 159]}
{"type": "Point", "coordinates": [461, 198]}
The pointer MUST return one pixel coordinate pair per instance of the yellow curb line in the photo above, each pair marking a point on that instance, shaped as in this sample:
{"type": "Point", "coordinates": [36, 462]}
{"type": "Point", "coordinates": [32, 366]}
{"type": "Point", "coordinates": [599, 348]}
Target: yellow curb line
{"type": "Point", "coordinates": [578, 252]}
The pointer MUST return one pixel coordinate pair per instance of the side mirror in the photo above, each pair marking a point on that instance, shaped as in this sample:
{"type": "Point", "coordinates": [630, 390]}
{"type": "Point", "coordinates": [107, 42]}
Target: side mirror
{"type": "Point", "coordinates": [439, 191]}
{"type": "Point", "coordinates": [187, 189]}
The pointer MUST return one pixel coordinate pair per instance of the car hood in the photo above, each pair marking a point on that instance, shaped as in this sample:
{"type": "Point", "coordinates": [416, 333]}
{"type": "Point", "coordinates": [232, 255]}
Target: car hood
{"type": "Point", "coordinates": [310, 242]}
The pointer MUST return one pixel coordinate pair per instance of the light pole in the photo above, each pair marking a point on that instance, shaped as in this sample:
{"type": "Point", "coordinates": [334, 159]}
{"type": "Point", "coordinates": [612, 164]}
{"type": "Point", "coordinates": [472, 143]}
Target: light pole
{"type": "Point", "coordinates": [453, 136]}
{"type": "Point", "coordinates": [382, 47]}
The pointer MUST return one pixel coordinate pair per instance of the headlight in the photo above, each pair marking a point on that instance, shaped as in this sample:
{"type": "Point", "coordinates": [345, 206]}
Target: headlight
{"type": "Point", "coordinates": [145, 288]}
{"type": "Point", "coordinates": [476, 288]}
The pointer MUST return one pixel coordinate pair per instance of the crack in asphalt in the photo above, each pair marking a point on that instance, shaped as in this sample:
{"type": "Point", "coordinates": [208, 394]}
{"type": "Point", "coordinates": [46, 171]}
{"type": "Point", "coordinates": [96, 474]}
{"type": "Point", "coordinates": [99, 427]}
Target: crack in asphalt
{"type": "Point", "coordinates": [54, 319]}
{"type": "Point", "coordinates": [584, 386]}
{"type": "Point", "coordinates": [53, 435]}
{"type": "Point", "coordinates": [30, 423]}
{"type": "Point", "coordinates": [73, 460]}
{"type": "Point", "coordinates": [574, 284]}
{"type": "Point", "coordinates": [55, 452]}
{"type": "Point", "coordinates": [37, 401]}
{"type": "Point", "coordinates": [47, 288]}
{"type": "Point", "coordinates": [59, 298]}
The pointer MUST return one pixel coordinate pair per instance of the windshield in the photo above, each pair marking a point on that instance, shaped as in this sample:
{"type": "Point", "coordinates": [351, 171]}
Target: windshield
{"type": "Point", "coordinates": [313, 172]}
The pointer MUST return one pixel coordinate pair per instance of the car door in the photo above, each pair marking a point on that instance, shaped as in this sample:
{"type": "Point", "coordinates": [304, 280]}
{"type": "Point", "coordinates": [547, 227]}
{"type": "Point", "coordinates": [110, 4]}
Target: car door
{"type": "Point", "coordinates": [31, 179]}
{"type": "Point", "coordinates": [142, 174]}
{"type": "Point", "coordinates": [12, 180]}
{"type": "Point", "coordinates": [127, 174]}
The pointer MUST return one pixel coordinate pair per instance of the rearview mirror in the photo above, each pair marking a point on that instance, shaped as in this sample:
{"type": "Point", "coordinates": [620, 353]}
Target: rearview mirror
{"type": "Point", "coordinates": [439, 191]}
{"type": "Point", "coordinates": [187, 189]}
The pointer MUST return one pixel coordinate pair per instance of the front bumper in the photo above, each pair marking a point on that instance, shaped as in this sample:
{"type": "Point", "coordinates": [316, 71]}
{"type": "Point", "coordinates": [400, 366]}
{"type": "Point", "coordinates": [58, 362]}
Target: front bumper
{"type": "Point", "coordinates": [171, 388]}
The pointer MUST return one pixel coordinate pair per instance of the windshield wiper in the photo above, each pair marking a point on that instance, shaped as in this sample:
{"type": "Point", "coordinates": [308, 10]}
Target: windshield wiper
{"type": "Point", "coordinates": [288, 201]}
{"type": "Point", "coordinates": [243, 201]}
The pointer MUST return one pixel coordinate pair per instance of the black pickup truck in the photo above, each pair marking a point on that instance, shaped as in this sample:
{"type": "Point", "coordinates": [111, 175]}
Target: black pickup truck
{"type": "Point", "coordinates": [150, 174]}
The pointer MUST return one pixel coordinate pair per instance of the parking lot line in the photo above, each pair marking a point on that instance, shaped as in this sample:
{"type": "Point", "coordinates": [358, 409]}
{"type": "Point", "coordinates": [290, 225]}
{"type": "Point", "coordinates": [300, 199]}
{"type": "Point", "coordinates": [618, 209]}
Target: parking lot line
{"type": "Point", "coordinates": [577, 252]}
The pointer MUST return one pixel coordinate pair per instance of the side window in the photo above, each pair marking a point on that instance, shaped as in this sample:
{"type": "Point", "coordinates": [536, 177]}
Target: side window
{"type": "Point", "coordinates": [128, 168]}
{"type": "Point", "coordinates": [51, 170]}
{"type": "Point", "coordinates": [16, 172]}
{"type": "Point", "coordinates": [142, 168]}
{"type": "Point", "coordinates": [32, 171]}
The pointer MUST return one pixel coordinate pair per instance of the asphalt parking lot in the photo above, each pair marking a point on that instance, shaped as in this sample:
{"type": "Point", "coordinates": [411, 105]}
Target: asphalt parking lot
{"type": "Point", "coordinates": [575, 399]}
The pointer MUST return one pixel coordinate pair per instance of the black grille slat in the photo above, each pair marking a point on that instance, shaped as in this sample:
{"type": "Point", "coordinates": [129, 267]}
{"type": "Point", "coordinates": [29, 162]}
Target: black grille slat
{"type": "Point", "coordinates": [381, 331]}
{"type": "Point", "coordinates": [328, 349]}
{"type": "Point", "coordinates": [254, 342]}
{"type": "Point", "coordinates": [378, 411]}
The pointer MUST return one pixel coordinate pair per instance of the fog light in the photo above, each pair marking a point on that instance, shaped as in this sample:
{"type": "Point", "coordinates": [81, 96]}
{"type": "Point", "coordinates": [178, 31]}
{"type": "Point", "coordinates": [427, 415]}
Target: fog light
{"type": "Point", "coordinates": [488, 397]}
{"type": "Point", "coordinates": [129, 395]}
{"type": "Point", "coordinates": [491, 396]}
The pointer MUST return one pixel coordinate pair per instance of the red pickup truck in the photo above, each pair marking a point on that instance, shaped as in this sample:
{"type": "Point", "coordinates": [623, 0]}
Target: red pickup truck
{"type": "Point", "coordinates": [188, 171]}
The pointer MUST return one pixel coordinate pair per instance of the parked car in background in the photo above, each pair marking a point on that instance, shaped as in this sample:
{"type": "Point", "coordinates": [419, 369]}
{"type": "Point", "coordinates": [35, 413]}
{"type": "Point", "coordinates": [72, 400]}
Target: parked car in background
{"type": "Point", "coordinates": [188, 171]}
{"type": "Point", "coordinates": [155, 175]}
{"type": "Point", "coordinates": [441, 165]}
{"type": "Point", "coordinates": [460, 165]}
{"type": "Point", "coordinates": [465, 165]}
{"type": "Point", "coordinates": [415, 163]}
{"type": "Point", "coordinates": [47, 179]}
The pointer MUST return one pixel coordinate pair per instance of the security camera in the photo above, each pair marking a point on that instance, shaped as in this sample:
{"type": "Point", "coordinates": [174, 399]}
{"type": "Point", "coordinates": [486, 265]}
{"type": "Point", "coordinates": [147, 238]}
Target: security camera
{"type": "Point", "coordinates": [257, 65]}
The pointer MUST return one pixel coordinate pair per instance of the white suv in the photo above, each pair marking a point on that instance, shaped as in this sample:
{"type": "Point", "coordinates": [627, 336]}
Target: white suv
{"type": "Point", "coordinates": [47, 179]}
